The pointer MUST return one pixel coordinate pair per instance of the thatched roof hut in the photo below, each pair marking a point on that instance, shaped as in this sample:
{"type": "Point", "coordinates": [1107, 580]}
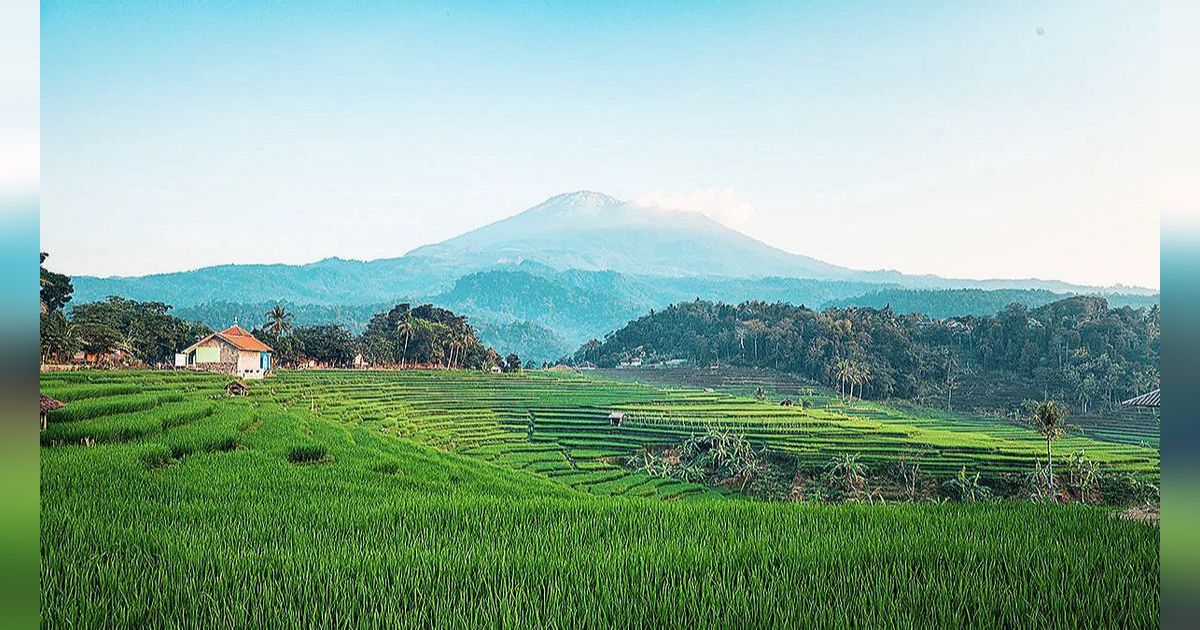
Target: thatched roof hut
{"type": "Point", "coordinates": [616, 418]}
{"type": "Point", "coordinates": [236, 388]}
{"type": "Point", "coordinates": [47, 404]}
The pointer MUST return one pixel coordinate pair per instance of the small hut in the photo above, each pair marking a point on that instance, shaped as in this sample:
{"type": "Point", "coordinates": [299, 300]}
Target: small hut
{"type": "Point", "coordinates": [47, 404]}
{"type": "Point", "coordinates": [616, 418]}
{"type": "Point", "coordinates": [236, 388]}
{"type": "Point", "coordinates": [787, 402]}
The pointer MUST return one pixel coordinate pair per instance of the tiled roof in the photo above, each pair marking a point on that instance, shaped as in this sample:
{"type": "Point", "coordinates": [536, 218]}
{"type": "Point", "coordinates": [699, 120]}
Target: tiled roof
{"type": "Point", "coordinates": [237, 337]}
{"type": "Point", "coordinates": [243, 340]}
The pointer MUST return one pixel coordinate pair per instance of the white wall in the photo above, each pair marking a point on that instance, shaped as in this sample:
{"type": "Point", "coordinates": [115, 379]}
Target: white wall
{"type": "Point", "coordinates": [248, 365]}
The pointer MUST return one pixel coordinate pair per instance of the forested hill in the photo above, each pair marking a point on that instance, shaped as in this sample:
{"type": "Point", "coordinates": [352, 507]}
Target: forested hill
{"type": "Point", "coordinates": [941, 303]}
{"type": "Point", "coordinates": [1078, 349]}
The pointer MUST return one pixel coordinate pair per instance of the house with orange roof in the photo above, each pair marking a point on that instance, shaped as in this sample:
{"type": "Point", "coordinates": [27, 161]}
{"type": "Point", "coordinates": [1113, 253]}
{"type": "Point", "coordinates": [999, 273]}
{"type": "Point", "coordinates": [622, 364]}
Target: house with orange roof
{"type": "Point", "coordinates": [231, 351]}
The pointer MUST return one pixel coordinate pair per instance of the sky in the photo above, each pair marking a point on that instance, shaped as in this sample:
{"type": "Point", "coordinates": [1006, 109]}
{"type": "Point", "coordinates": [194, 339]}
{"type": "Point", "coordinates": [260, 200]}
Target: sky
{"type": "Point", "coordinates": [967, 140]}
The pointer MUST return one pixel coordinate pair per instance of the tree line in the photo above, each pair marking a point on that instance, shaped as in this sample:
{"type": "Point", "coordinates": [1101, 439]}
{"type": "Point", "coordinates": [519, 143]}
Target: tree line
{"type": "Point", "coordinates": [1091, 354]}
{"type": "Point", "coordinates": [147, 333]}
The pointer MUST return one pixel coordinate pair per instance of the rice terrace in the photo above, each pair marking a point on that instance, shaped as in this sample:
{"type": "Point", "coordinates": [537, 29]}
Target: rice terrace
{"type": "Point", "coordinates": [420, 498]}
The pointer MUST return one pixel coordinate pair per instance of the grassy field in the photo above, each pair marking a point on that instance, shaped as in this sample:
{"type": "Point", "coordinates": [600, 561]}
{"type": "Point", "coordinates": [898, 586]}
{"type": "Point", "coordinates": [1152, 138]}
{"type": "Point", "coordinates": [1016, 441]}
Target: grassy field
{"type": "Point", "coordinates": [420, 499]}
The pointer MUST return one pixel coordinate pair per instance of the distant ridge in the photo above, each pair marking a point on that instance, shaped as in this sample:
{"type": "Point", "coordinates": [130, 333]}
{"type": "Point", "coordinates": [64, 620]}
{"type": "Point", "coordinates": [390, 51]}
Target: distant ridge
{"type": "Point", "coordinates": [584, 230]}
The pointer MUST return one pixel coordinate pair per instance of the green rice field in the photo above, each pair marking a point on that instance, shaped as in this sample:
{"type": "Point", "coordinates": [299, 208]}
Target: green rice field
{"type": "Point", "coordinates": [467, 499]}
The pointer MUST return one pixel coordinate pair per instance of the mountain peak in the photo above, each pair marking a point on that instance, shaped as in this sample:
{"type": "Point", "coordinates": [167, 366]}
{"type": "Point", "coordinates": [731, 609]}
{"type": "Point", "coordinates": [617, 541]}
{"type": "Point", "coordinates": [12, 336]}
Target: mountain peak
{"type": "Point", "coordinates": [581, 199]}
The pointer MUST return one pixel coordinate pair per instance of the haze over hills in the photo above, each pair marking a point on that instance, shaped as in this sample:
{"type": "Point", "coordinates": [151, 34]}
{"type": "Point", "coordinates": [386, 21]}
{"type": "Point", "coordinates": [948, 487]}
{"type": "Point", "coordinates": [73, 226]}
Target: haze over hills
{"type": "Point", "coordinates": [579, 264]}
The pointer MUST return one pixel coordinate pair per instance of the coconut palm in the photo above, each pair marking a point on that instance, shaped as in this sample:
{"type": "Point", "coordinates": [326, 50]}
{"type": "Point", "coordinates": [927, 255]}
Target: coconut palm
{"type": "Point", "coordinates": [862, 375]}
{"type": "Point", "coordinates": [405, 329]}
{"type": "Point", "coordinates": [279, 321]}
{"type": "Point", "coordinates": [844, 370]}
{"type": "Point", "coordinates": [1047, 418]}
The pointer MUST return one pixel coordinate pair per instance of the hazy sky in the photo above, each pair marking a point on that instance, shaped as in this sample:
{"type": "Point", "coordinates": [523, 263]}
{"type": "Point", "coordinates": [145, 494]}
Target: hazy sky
{"type": "Point", "coordinates": [979, 139]}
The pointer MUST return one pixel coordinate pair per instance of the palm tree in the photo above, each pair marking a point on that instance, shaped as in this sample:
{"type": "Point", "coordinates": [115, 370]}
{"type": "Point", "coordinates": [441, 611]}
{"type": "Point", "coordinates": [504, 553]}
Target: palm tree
{"type": "Point", "coordinates": [862, 374]}
{"type": "Point", "coordinates": [1047, 419]}
{"type": "Point", "coordinates": [405, 329]}
{"type": "Point", "coordinates": [279, 321]}
{"type": "Point", "coordinates": [456, 347]}
{"type": "Point", "coordinates": [844, 371]}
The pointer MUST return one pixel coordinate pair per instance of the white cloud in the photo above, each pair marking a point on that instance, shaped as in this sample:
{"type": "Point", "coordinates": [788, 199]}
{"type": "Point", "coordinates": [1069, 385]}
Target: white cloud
{"type": "Point", "coordinates": [720, 204]}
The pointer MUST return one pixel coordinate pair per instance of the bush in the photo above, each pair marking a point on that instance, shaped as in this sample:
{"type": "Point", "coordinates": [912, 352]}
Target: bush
{"type": "Point", "coordinates": [966, 488]}
{"type": "Point", "coordinates": [306, 453]}
{"type": "Point", "coordinates": [1127, 489]}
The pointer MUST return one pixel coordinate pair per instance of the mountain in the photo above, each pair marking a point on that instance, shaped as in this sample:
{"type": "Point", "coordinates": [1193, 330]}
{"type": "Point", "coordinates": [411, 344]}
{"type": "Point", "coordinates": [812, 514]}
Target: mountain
{"type": "Point", "coordinates": [594, 232]}
{"type": "Point", "coordinates": [576, 266]}
{"type": "Point", "coordinates": [583, 230]}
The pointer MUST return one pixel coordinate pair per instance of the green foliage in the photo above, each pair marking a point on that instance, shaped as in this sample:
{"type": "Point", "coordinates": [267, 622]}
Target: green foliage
{"type": "Point", "coordinates": [424, 334]}
{"type": "Point", "coordinates": [278, 321]}
{"type": "Point", "coordinates": [56, 288]}
{"type": "Point", "coordinates": [146, 330]}
{"type": "Point", "coordinates": [846, 476]}
{"type": "Point", "coordinates": [329, 345]}
{"type": "Point", "coordinates": [59, 337]}
{"type": "Point", "coordinates": [395, 529]}
{"type": "Point", "coordinates": [966, 488]}
{"type": "Point", "coordinates": [1076, 345]}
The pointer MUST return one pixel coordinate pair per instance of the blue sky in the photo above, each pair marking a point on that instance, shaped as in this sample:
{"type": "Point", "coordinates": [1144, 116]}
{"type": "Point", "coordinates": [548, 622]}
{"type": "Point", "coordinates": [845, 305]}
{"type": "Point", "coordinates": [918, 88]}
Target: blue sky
{"type": "Point", "coordinates": [947, 138]}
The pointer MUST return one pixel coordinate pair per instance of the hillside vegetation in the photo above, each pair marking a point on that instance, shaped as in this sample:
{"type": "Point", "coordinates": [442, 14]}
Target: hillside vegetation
{"type": "Point", "coordinates": [1077, 349]}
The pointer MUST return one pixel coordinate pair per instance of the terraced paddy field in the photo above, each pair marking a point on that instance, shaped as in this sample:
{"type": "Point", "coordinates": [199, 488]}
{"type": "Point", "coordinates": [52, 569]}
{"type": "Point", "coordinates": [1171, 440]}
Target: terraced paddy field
{"type": "Point", "coordinates": [452, 499]}
{"type": "Point", "coordinates": [1138, 427]}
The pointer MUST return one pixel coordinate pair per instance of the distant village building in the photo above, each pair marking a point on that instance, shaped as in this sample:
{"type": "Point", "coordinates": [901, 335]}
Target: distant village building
{"type": "Point", "coordinates": [587, 365]}
{"type": "Point", "coordinates": [495, 369]}
{"type": "Point", "coordinates": [231, 351]}
{"type": "Point", "coordinates": [561, 368]}
{"type": "Point", "coordinates": [113, 358]}
{"type": "Point", "coordinates": [635, 362]}
{"type": "Point", "coordinates": [616, 418]}
{"type": "Point", "coordinates": [360, 361]}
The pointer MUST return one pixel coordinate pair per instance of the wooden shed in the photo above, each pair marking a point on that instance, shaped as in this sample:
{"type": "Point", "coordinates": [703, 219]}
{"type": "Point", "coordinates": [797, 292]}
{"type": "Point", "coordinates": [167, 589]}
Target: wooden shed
{"type": "Point", "coordinates": [616, 418]}
{"type": "Point", "coordinates": [236, 388]}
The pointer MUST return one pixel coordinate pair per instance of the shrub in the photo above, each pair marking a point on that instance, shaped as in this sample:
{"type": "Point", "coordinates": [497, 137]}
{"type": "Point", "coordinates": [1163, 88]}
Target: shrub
{"type": "Point", "coordinates": [966, 488]}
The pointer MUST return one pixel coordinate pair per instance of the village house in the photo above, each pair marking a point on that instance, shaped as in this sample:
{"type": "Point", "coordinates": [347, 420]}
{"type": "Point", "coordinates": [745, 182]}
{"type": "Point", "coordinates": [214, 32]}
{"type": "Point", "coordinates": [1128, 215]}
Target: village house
{"type": "Point", "coordinates": [231, 351]}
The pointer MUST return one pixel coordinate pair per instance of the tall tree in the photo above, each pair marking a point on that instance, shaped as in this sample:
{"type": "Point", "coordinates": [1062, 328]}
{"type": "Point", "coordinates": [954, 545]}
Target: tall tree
{"type": "Point", "coordinates": [1047, 418]}
{"type": "Point", "coordinates": [405, 328]}
{"type": "Point", "coordinates": [56, 288]}
{"type": "Point", "coordinates": [279, 321]}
